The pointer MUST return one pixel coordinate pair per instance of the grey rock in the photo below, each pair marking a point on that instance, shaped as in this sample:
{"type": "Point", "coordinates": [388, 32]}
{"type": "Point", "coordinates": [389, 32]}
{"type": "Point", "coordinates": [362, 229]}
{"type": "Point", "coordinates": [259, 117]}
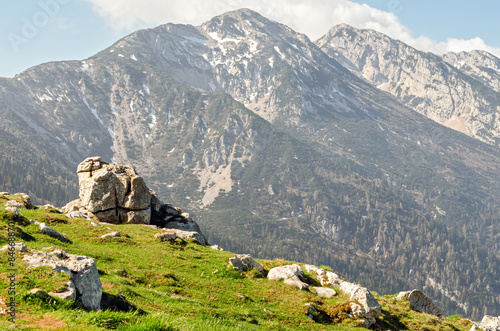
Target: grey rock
{"type": "Point", "coordinates": [198, 236]}
{"type": "Point", "coordinates": [71, 206]}
{"type": "Point", "coordinates": [291, 274]}
{"type": "Point", "coordinates": [166, 235]}
{"type": "Point", "coordinates": [430, 85]}
{"type": "Point", "coordinates": [490, 323]}
{"type": "Point", "coordinates": [325, 292]}
{"type": "Point", "coordinates": [111, 235]}
{"type": "Point", "coordinates": [368, 309]}
{"type": "Point", "coordinates": [114, 193]}
{"type": "Point", "coordinates": [14, 203]}
{"type": "Point", "coordinates": [19, 247]}
{"type": "Point", "coordinates": [420, 302]}
{"type": "Point", "coordinates": [60, 254]}
{"type": "Point", "coordinates": [285, 272]}
{"type": "Point", "coordinates": [244, 262]}
{"type": "Point", "coordinates": [53, 233]}
{"type": "Point", "coordinates": [78, 214]}
{"type": "Point", "coordinates": [295, 281]}
{"type": "Point", "coordinates": [83, 272]}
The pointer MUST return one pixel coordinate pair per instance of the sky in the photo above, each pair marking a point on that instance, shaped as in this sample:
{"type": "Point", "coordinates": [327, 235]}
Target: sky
{"type": "Point", "coordinates": [37, 31]}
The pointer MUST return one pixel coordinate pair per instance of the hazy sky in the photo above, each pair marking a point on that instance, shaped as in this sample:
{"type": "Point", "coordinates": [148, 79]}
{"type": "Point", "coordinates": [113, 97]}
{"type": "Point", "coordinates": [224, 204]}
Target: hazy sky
{"type": "Point", "coordinates": [37, 31]}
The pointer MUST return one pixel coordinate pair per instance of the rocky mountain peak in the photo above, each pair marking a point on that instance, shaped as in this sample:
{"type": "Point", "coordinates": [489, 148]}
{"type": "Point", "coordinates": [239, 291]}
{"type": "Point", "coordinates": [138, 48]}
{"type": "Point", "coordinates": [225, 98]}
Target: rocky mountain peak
{"type": "Point", "coordinates": [481, 65]}
{"type": "Point", "coordinates": [422, 81]}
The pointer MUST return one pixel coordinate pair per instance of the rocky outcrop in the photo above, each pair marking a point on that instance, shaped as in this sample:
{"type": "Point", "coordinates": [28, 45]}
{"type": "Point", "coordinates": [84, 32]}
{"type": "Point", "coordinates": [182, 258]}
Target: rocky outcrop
{"type": "Point", "coordinates": [291, 274]}
{"type": "Point", "coordinates": [245, 262]}
{"type": "Point", "coordinates": [420, 302]}
{"type": "Point", "coordinates": [326, 278]}
{"type": "Point", "coordinates": [423, 81]}
{"type": "Point", "coordinates": [489, 323]}
{"type": "Point", "coordinates": [115, 193]}
{"type": "Point", "coordinates": [85, 282]}
{"type": "Point", "coordinates": [363, 305]}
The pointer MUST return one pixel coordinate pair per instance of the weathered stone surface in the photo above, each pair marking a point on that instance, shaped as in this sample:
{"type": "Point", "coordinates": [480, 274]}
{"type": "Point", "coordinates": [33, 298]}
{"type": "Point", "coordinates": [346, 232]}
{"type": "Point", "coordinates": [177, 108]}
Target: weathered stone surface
{"type": "Point", "coordinates": [291, 274]}
{"type": "Point", "coordinates": [14, 203]}
{"type": "Point", "coordinates": [82, 269]}
{"type": "Point", "coordinates": [216, 247]}
{"type": "Point", "coordinates": [181, 223]}
{"type": "Point", "coordinates": [139, 197]}
{"type": "Point", "coordinates": [326, 278]}
{"type": "Point", "coordinates": [166, 235]}
{"type": "Point", "coordinates": [71, 206]}
{"type": "Point", "coordinates": [53, 233]}
{"type": "Point", "coordinates": [89, 164]}
{"type": "Point", "coordinates": [189, 235]}
{"type": "Point", "coordinates": [114, 193]}
{"type": "Point", "coordinates": [111, 235]}
{"type": "Point", "coordinates": [490, 323]}
{"type": "Point", "coordinates": [78, 214]}
{"type": "Point", "coordinates": [244, 262]}
{"type": "Point", "coordinates": [325, 292]}
{"type": "Point", "coordinates": [19, 247]}
{"type": "Point", "coordinates": [284, 272]}
{"type": "Point", "coordinates": [13, 210]}
{"type": "Point", "coordinates": [136, 216]}
{"type": "Point", "coordinates": [420, 302]}
{"type": "Point", "coordinates": [295, 281]}
{"type": "Point", "coordinates": [368, 308]}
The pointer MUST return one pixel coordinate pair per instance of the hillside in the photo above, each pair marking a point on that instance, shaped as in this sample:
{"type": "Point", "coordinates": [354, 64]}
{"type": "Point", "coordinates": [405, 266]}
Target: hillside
{"type": "Point", "coordinates": [275, 148]}
{"type": "Point", "coordinates": [172, 285]}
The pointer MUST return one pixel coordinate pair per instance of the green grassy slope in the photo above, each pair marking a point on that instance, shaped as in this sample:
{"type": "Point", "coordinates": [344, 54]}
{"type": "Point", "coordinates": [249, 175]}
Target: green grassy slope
{"type": "Point", "coordinates": [153, 285]}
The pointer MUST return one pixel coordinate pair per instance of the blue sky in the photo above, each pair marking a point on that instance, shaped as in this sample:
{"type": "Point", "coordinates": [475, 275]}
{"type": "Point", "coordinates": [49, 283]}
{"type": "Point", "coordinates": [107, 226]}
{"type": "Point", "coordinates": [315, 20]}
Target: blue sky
{"type": "Point", "coordinates": [38, 31]}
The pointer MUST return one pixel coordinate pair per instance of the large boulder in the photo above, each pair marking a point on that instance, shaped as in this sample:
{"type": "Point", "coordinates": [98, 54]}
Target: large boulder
{"type": "Point", "coordinates": [85, 284]}
{"type": "Point", "coordinates": [114, 193]}
{"type": "Point", "coordinates": [420, 302]}
{"type": "Point", "coordinates": [363, 304]}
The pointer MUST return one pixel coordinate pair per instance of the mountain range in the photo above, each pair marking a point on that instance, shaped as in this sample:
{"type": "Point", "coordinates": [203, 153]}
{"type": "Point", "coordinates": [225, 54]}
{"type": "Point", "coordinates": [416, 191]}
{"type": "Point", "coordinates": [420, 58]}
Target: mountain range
{"type": "Point", "coordinates": [356, 150]}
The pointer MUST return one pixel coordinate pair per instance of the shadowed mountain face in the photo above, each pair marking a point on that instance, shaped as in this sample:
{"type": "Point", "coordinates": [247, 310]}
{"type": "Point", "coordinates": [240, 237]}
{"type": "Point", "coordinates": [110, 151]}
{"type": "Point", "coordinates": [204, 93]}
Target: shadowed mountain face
{"type": "Point", "coordinates": [276, 148]}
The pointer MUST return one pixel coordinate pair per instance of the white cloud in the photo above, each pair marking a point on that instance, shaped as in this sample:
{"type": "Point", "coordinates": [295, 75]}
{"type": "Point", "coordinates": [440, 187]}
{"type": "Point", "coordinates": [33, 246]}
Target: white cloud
{"type": "Point", "coordinates": [312, 17]}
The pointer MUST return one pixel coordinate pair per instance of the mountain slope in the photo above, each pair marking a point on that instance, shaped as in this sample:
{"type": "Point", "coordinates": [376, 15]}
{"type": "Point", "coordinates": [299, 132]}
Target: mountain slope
{"type": "Point", "coordinates": [480, 65]}
{"type": "Point", "coordinates": [279, 151]}
{"type": "Point", "coordinates": [171, 285]}
{"type": "Point", "coordinates": [422, 81]}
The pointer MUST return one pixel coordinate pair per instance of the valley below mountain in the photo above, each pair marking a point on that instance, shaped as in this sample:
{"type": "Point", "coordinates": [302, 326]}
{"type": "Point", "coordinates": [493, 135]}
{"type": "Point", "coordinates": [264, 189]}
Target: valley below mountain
{"type": "Point", "coordinates": [284, 147]}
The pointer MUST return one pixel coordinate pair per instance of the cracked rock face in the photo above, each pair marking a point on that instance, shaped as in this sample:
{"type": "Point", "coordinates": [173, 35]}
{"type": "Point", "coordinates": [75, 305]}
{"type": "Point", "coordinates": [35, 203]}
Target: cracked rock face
{"type": "Point", "coordinates": [85, 284]}
{"type": "Point", "coordinates": [114, 193]}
